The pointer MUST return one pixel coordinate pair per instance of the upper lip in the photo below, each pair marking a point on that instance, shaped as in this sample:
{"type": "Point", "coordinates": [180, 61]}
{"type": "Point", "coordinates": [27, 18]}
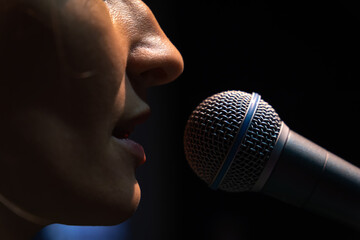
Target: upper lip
{"type": "Point", "coordinates": [123, 129]}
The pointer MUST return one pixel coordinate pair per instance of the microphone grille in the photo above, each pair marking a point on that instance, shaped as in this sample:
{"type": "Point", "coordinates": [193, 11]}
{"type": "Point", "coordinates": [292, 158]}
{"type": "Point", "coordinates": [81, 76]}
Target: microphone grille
{"type": "Point", "coordinates": [211, 131]}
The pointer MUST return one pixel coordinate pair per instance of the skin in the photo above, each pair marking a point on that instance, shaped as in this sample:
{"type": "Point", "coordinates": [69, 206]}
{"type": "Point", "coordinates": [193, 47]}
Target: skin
{"type": "Point", "coordinates": [72, 71]}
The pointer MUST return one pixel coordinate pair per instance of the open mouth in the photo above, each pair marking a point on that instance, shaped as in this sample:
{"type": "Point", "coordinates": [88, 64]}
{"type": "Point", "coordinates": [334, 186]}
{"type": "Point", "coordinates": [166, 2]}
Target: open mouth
{"type": "Point", "coordinates": [121, 133]}
{"type": "Point", "coordinates": [136, 150]}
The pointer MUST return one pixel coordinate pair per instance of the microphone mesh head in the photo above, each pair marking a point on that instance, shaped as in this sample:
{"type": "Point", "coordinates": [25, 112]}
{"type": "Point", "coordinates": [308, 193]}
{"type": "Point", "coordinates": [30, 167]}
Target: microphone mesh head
{"type": "Point", "coordinates": [210, 133]}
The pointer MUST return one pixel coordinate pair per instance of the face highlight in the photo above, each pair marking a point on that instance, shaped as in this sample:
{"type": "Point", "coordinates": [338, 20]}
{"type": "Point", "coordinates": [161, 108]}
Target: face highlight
{"type": "Point", "coordinates": [73, 89]}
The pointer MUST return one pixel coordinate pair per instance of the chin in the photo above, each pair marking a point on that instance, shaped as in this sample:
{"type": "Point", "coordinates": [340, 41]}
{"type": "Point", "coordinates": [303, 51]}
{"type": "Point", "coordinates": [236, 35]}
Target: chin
{"type": "Point", "coordinates": [113, 211]}
{"type": "Point", "coordinates": [120, 211]}
{"type": "Point", "coordinates": [130, 207]}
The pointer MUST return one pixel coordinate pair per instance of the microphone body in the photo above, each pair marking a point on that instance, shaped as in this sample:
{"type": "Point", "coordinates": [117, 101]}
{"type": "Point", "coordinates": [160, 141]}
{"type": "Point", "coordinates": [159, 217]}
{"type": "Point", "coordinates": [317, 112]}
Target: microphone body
{"type": "Point", "coordinates": [308, 176]}
{"type": "Point", "coordinates": [236, 142]}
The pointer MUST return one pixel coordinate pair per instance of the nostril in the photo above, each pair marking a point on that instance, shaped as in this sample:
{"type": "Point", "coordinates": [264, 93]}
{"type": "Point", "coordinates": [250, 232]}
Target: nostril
{"type": "Point", "coordinates": [155, 69]}
{"type": "Point", "coordinates": [153, 75]}
{"type": "Point", "coordinates": [154, 61]}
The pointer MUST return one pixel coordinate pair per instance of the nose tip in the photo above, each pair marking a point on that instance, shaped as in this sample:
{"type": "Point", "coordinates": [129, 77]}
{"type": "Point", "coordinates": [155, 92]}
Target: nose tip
{"type": "Point", "coordinates": [155, 61]}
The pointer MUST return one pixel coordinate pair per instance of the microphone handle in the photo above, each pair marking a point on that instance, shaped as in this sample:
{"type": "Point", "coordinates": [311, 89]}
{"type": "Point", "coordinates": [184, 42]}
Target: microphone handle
{"type": "Point", "coordinates": [306, 175]}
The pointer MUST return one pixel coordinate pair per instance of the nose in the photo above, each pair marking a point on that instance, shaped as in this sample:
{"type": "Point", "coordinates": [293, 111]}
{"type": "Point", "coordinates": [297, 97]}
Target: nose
{"type": "Point", "coordinates": [153, 59]}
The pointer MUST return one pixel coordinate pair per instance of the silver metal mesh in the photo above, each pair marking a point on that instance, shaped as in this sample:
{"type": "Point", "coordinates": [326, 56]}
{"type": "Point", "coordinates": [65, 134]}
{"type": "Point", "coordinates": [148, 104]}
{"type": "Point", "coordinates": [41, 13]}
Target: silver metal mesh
{"type": "Point", "coordinates": [210, 133]}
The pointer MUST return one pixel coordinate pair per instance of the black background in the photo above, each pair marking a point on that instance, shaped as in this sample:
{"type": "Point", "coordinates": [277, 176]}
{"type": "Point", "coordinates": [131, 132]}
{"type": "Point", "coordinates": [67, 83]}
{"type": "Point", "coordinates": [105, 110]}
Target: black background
{"type": "Point", "coordinates": [302, 57]}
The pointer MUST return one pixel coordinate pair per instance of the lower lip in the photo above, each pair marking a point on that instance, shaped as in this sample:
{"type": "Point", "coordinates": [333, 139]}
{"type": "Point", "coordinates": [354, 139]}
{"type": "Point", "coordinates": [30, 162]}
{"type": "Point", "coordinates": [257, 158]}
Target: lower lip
{"type": "Point", "coordinates": [135, 149]}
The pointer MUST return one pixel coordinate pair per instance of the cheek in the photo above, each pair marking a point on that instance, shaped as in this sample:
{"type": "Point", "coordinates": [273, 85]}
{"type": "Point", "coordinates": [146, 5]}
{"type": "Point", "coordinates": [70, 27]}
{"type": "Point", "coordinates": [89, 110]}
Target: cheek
{"type": "Point", "coordinates": [87, 41]}
{"type": "Point", "coordinates": [74, 71]}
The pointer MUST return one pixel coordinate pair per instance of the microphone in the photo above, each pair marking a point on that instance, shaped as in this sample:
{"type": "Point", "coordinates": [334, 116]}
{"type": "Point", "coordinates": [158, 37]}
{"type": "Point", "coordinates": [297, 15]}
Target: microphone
{"type": "Point", "coordinates": [236, 142]}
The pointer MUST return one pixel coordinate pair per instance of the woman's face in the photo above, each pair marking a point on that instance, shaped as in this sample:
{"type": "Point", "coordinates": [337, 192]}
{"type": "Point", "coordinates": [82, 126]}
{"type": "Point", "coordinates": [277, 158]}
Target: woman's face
{"type": "Point", "coordinates": [72, 90]}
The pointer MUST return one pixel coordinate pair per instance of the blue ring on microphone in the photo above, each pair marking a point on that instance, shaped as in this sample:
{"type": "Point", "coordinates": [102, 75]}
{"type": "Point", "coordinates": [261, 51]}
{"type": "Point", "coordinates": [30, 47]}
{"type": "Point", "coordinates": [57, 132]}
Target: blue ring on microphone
{"type": "Point", "coordinates": [253, 105]}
